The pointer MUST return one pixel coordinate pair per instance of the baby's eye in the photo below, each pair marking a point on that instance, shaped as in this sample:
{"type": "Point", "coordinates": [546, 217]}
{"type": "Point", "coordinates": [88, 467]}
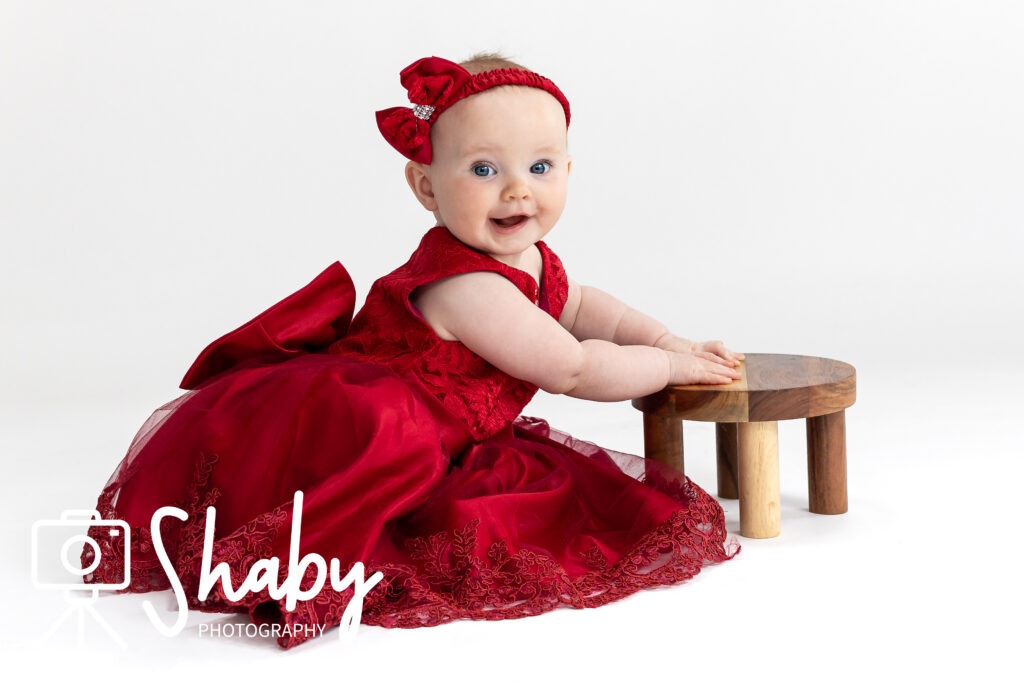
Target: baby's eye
{"type": "Point", "coordinates": [540, 167]}
{"type": "Point", "coordinates": [483, 170]}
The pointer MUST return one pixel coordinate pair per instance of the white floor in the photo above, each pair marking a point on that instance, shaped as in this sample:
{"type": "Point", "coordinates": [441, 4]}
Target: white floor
{"type": "Point", "coordinates": [920, 578]}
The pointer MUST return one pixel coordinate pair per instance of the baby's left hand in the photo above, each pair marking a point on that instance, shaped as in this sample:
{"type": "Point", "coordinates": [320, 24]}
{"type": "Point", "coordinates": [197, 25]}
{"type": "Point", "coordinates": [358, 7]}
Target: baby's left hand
{"type": "Point", "coordinates": [718, 350]}
{"type": "Point", "coordinates": [714, 350]}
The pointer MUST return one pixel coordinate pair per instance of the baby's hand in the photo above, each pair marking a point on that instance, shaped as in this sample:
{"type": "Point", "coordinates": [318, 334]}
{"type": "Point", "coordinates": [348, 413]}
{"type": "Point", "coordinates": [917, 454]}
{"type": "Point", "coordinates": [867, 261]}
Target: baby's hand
{"type": "Point", "coordinates": [712, 351]}
{"type": "Point", "coordinates": [699, 368]}
{"type": "Point", "coordinates": [717, 351]}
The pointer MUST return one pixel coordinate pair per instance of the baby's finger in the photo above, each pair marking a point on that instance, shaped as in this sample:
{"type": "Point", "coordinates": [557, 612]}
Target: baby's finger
{"type": "Point", "coordinates": [719, 348]}
{"type": "Point", "coordinates": [722, 368]}
{"type": "Point", "coordinates": [717, 379]}
{"type": "Point", "coordinates": [731, 357]}
{"type": "Point", "coordinates": [716, 351]}
{"type": "Point", "coordinates": [706, 378]}
{"type": "Point", "coordinates": [714, 358]}
{"type": "Point", "coordinates": [715, 346]}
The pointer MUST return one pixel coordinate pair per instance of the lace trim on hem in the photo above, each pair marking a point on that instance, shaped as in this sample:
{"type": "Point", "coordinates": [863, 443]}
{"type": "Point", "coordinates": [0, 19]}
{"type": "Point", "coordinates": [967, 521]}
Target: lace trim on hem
{"type": "Point", "coordinates": [447, 580]}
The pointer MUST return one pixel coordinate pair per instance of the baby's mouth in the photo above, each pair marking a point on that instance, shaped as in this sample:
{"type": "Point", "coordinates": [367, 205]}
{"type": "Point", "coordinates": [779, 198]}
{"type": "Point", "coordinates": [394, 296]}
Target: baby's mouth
{"type": "Point", "coordinates": [511, 221]}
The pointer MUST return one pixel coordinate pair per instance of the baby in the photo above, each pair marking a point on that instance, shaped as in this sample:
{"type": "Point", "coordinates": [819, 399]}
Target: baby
{"type": "Point", "coordinates": [497, 181]}
{"type": "Point", "coordinates": [394, 438]}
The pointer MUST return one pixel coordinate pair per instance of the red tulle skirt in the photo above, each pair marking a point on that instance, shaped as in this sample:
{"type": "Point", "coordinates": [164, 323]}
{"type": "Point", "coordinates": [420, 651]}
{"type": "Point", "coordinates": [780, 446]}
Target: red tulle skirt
{"type": "Point", "coordinates": [526, 521]}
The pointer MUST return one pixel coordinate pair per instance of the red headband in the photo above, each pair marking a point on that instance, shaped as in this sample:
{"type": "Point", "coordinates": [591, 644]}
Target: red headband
{"type": "Point", "coordinates": [434, 85]}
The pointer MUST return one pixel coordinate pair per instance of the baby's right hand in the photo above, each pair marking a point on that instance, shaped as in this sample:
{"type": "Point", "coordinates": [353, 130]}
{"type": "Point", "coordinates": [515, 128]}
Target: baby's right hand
{"type": "Point", "coordinates": [698, 369]}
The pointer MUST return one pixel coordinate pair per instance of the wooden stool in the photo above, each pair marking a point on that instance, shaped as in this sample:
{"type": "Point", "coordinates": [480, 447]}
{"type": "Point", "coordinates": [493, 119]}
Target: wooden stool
{"type": "Point", "coordinates": [774, 387]}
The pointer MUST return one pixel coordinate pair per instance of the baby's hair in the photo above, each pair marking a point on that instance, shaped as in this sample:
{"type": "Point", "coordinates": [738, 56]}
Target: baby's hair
{"type": "Point", "coordinates": [488, 61]}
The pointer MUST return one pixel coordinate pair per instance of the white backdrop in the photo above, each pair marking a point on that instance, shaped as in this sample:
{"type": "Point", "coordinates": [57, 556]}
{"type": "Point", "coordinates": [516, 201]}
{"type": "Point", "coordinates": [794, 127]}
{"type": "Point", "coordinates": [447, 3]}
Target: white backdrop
{"type": "Point", "coordinates": [831, 178]}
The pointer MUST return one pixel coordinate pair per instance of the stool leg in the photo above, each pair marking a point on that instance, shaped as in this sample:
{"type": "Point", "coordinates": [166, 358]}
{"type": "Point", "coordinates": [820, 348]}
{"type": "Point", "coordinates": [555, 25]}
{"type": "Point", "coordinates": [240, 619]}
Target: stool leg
{"type": "Point", "coordinates": [663, 440]}
{"type": "Point", "coordinates": [758, 460]}
{"type": "Point", "coordinates": [727, 444]}
{"type": "Point", "coordinates": [826, 463]}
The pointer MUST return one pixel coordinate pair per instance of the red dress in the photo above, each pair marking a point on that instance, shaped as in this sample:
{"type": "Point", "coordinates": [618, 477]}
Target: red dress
{"type": "Point", "coordinates": [411, 458]}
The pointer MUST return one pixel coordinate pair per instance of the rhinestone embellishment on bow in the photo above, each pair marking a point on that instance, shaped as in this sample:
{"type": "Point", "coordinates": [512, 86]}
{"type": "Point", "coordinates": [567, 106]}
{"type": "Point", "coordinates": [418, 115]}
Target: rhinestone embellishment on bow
{"type": "Point", "coordinates": [423, 111]}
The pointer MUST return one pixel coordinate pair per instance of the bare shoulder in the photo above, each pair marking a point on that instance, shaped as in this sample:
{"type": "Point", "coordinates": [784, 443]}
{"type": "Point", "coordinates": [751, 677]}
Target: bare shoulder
{"type": "Point", "coordinates": [446, 302]}
{"type": "Point", "coordinates": [488, 314]}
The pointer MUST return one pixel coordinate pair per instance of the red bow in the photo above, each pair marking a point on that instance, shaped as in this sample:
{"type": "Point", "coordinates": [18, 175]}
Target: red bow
{"type": "Point", "coordinates": [431, 82]}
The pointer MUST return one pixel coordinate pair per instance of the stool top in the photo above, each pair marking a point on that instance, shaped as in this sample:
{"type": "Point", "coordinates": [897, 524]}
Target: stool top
{"type": "Point", "coordinates": [773, 387]}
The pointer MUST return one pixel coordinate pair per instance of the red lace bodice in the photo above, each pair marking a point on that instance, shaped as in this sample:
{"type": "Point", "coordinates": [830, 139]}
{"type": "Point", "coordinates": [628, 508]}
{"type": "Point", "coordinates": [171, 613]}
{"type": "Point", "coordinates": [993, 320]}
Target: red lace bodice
{"type": "Point", "coordinates": [389, 331]}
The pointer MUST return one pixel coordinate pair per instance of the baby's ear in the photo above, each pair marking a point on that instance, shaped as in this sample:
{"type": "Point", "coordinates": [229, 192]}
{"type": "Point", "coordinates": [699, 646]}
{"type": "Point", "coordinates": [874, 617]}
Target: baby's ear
{"type": "Point", "coordinates": [419, 181]}
{"type": "Point", "coordinates": [568, 166]}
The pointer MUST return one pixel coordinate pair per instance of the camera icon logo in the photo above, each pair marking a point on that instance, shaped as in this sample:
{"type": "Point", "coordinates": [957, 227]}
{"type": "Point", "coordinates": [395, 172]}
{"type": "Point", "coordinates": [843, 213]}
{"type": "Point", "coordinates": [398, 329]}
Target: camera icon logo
{"type": "Point", "coordinates": [65, 554]}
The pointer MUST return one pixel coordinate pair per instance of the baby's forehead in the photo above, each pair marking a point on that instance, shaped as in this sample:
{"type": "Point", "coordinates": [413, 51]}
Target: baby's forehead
{"type": "Point", "coordinates": [506, 116]}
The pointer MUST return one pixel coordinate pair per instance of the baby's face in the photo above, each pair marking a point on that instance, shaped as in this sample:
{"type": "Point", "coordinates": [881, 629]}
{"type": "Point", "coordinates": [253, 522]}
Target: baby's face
{"type": "Point", "coordinates": [500, 167]}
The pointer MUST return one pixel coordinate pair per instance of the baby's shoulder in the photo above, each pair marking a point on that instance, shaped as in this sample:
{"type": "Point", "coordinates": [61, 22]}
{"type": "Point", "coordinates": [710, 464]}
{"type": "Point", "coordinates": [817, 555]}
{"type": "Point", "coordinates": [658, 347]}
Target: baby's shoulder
{"type": "Point", "coordinates": [460, 295]}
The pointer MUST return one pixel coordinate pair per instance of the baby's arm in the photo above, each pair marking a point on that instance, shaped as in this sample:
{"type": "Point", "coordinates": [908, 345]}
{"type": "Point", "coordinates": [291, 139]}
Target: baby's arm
{"type": "Point", "coordinates": [488, 314]}
{"type": "Point", "coordinates": [593, 314]}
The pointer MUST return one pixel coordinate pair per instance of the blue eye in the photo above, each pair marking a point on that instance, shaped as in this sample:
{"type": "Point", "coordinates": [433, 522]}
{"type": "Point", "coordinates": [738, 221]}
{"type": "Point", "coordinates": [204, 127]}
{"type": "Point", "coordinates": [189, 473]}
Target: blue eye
{"type": "Point", "coordinates": [483, 170]}
{"type": "Point", "coordinates": [540, 167]}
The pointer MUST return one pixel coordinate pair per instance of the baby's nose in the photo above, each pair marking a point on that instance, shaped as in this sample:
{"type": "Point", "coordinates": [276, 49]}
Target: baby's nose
{"type": "Point", "coordinates": [516, 189]}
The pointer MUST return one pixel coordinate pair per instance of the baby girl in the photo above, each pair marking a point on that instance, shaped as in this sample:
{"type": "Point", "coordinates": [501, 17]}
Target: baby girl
{"type": "Point", "coordinates": [401, 425]}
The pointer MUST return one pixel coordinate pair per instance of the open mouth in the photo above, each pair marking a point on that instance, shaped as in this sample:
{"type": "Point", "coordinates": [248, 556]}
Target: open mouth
{"type": "Point", "coordinates": [510, 221]}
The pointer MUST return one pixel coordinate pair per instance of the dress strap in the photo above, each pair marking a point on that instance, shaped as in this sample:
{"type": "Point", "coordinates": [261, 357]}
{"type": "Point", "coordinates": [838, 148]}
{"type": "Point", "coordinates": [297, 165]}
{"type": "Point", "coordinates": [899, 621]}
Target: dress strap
{"type": "Point", "coordinates": [554, 286]}
{"type": "Point", "coordinates": [440, 255]}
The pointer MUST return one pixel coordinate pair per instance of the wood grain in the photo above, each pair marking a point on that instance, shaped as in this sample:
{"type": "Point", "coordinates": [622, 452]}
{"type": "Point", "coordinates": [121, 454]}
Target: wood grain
{"type": "Point", "coordinates": [773, 387]}
{"type": "Point", "coordinates": [826, 463]}
{"type": "Point", "coordinates": [758, 460]}
{"type": "Point", "coordinates": [663, 440]}
{"type": "Point", "coordinates": [726, 446]}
